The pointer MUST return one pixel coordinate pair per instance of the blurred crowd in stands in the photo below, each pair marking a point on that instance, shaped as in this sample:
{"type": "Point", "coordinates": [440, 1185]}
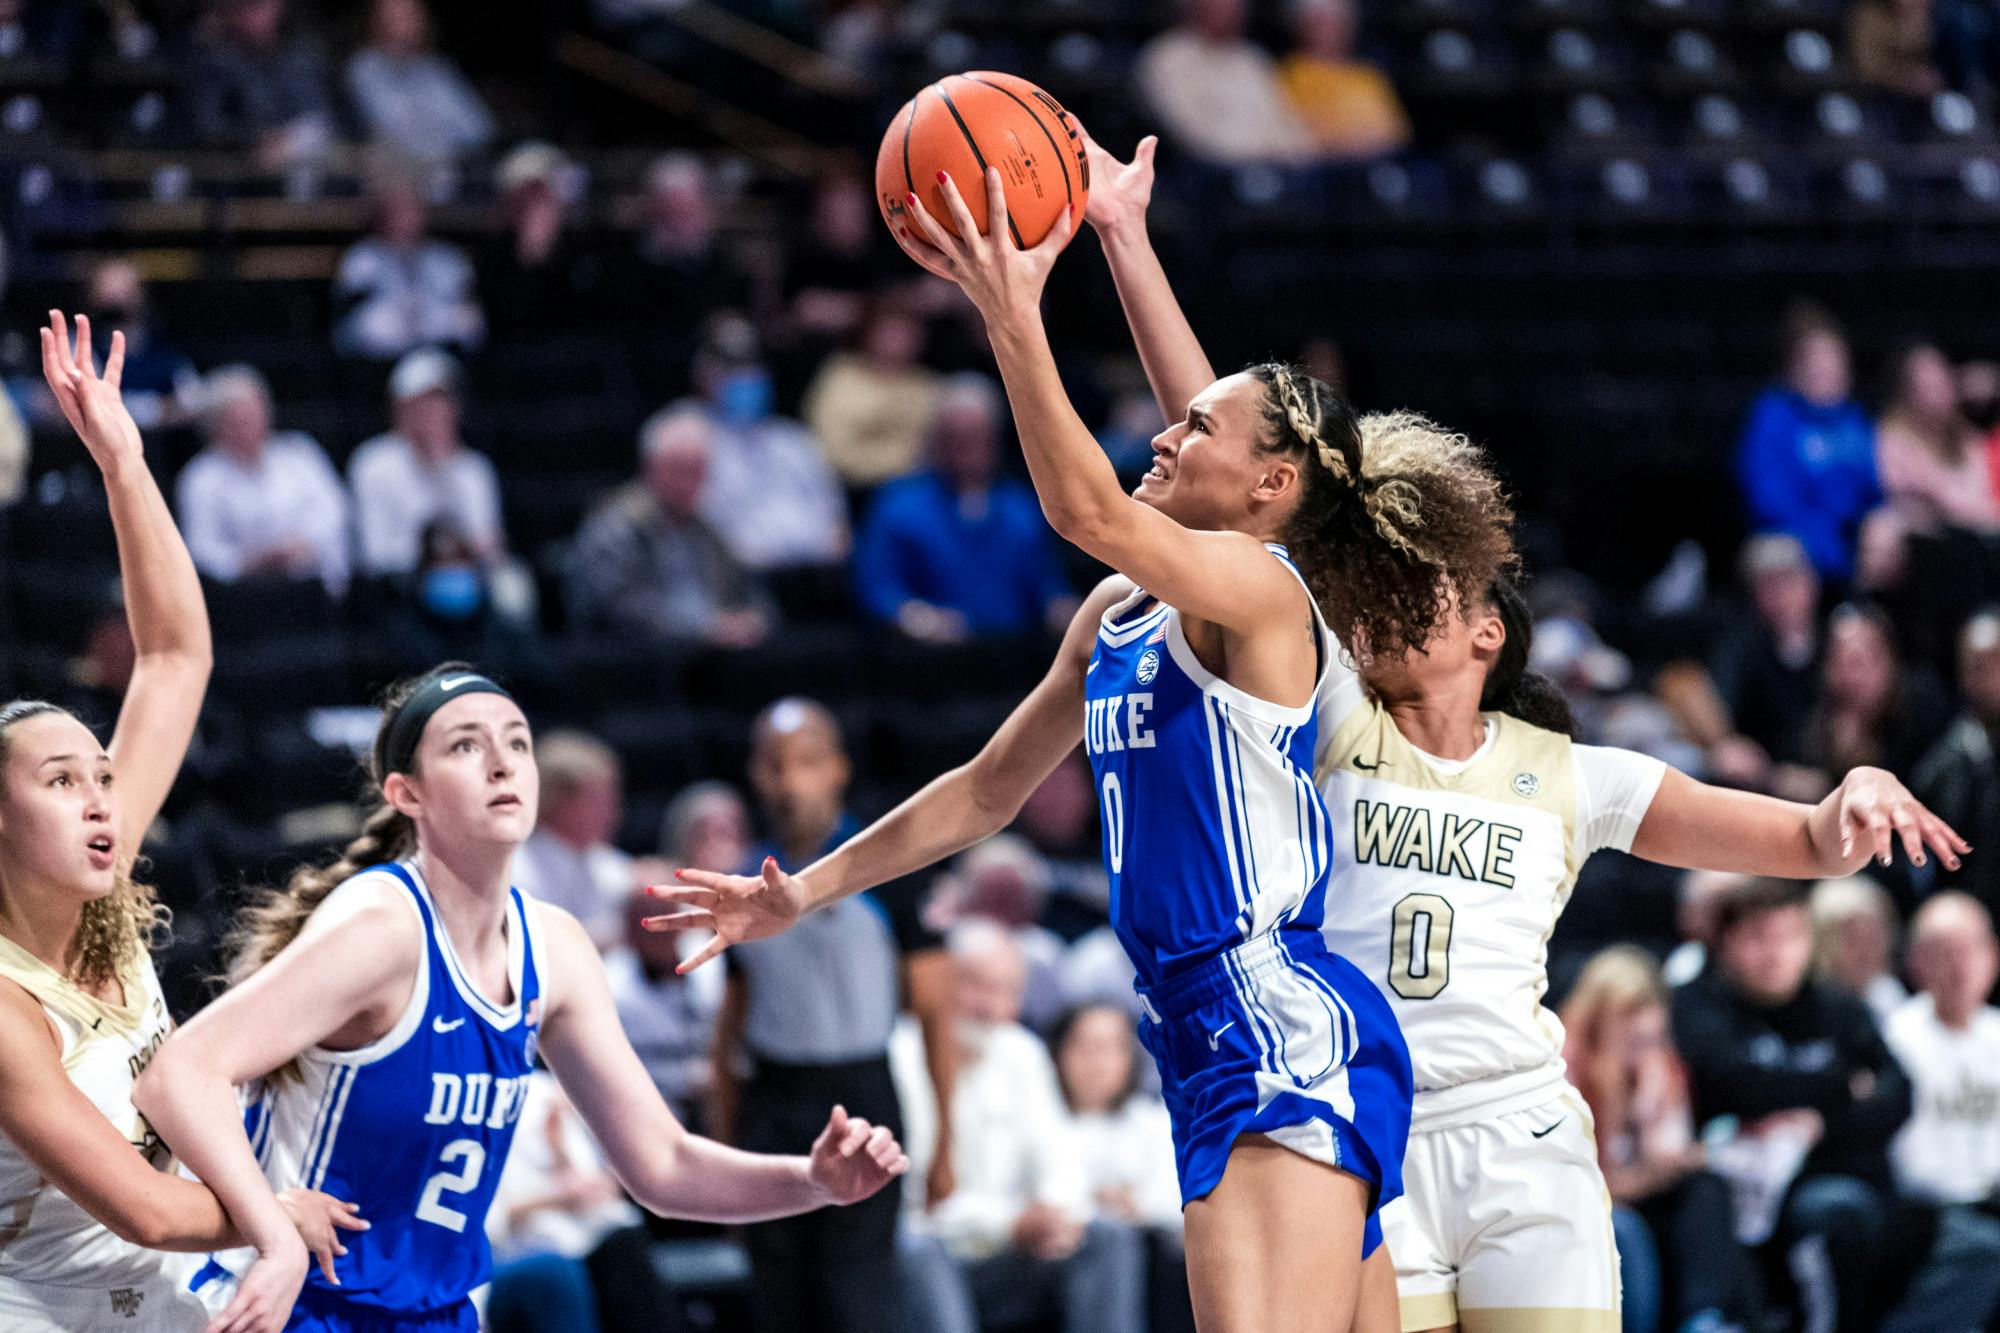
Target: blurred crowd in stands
{"type": "Point", "coordinates": [819, 505]}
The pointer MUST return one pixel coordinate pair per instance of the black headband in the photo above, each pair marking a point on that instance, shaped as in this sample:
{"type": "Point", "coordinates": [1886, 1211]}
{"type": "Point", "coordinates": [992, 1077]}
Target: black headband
{"type": "Point", "coordinates": [398, 745]}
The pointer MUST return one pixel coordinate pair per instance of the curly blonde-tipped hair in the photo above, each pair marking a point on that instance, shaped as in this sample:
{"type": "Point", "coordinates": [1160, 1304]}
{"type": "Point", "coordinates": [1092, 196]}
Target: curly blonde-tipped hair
{"type": "Point", "coordinates": [117, 930]}
{"type": "Point", "coordinates": [1401, 521]}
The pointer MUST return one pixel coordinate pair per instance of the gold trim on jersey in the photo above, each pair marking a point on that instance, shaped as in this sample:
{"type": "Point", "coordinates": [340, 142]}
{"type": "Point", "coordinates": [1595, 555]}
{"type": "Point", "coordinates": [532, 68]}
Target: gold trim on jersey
{"type": "Point", "coordinates": [55, 991]}
{"type": "Point", "coordinates": [1527, 1319]}
{"type": "Point", "coordinates": [1433, 1309]}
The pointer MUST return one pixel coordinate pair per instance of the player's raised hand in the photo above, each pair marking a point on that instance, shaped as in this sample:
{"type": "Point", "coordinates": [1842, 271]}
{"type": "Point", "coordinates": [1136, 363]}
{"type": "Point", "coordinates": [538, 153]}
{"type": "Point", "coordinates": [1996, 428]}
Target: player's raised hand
{"type": "Point", "coordinates": [735, 907]}
{"type": "Point", "coordinates": [90, 402]}
{"type": "Point", "coordinates": [1120, 192]}
{"type": "Point", "coordinates": [1000, 277]}
{"type": "Point", "coordinates": [852, 1159]}
{"type": "Point", "coordinates": [1876, 810]}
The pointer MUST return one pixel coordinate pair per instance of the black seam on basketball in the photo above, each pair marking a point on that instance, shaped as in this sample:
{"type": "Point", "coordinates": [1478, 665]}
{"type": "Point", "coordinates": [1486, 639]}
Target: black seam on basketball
{"type": "Point", "coordinates": [978, 157]}
{"type": "Point", "coordinates": [910, 123]}
{"type": "Point", "coordinates": [1062, 158]}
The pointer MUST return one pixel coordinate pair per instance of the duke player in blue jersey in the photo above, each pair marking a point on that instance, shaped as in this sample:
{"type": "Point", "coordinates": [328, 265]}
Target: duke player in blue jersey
{"type": "Point", "coordinates": [1192, 677]}
{"type": "Point", "coordinates": [389, 1009]}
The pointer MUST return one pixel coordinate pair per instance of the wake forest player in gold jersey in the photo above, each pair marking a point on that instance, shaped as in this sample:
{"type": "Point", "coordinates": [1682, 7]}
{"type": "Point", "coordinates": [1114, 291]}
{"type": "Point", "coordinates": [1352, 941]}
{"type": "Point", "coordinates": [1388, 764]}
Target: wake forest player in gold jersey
{"type": "Point", "coordinates": [1462, 813]}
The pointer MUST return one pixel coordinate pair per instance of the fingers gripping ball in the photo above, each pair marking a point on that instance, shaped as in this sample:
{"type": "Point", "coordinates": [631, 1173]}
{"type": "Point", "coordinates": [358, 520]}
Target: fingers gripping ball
{"type": "Point", "coordinates": [966, 123]}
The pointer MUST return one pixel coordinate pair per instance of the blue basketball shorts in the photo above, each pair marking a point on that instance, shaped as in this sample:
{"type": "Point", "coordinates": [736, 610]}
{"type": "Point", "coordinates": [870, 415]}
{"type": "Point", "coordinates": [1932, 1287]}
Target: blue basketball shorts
{"type": "Point", "coordinates": [1283, 1038]}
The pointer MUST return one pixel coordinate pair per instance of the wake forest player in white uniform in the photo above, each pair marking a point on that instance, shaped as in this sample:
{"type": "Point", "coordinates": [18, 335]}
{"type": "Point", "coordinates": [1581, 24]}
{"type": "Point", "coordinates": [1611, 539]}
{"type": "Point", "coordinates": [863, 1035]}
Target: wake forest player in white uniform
{"type": "Point", "coordinates": [1459, 829]}
{"type": "Point", "coordinates": [88, 1198]}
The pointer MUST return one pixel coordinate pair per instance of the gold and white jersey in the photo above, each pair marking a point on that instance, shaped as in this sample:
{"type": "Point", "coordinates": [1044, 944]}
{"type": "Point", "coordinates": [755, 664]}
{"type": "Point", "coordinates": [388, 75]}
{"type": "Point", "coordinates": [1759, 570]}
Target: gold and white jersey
{"type": "Point", "coordinates": [1447, 881]}
{"type": "Point", "coordinates": [45, 1237]}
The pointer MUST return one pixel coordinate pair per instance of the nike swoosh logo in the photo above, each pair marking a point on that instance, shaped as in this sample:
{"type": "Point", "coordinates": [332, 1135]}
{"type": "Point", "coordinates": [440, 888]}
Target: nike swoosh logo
{"type": "Point", "coordinates": [1544, 1133]}
{"type": "Point", "coordinates": [1368, 768]}
{"type": "Point", "coordinates": [1215, 1037]}
{"type": "Point", "coordinates": [449, 685]}
{"type": "Point", "coordinates": [439, 1025]}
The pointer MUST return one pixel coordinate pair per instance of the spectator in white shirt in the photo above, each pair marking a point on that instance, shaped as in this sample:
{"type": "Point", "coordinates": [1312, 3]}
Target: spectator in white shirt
{"type": "Point", "coordinates": [771, 493]}
{"type": "Point", "coordinates": [1016, 1240]}
{"type": "Point", "coordinates": [1854, 942]}
{"type": "Point", "coordinates": [1124, 1137]}
{"type": "Point", "coordinates": [258, 502]}
{"type": "Point", "coordinates": [1948, 1040]}
{"type": "Point", "coordinates": [420, 472]}
{"type": "Point", "coordinates": [412, 100]}
{"type": "Point", "coordinates": [400, 289]}
{"type": "Point", "coordinates": [1217, 92]}
{"type": "Point", "coordinates": [569, 860]}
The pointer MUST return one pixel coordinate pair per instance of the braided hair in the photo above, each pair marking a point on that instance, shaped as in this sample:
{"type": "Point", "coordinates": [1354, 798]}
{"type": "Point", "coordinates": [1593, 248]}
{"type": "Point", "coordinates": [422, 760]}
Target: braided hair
{"type": "Point", "coordinates": [1399, 521]}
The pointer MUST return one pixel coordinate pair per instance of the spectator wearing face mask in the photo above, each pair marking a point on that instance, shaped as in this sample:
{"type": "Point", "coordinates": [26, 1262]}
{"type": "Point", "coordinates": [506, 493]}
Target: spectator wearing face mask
{"type": "Point", "coordinates": [770, 495]}
{"type": "Point", "coordinates": [444, 610]}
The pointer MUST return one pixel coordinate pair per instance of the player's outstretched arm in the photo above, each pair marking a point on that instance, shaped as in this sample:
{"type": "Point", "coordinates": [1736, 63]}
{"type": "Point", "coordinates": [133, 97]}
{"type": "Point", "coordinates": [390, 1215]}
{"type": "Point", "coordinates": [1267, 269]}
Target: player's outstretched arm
{"type": "Point", "coordinates": [668, 1170]}
{"type": "Point", "coordinates": [163, 599]}
{"type": "Point", "coordinates": [357, 954]}
{"type": "Point", "coordinates": [1120, 192]}
{"type": "Point", "coordinates": [964, 806]}
{"type": "Point", "coordinates": [1698, 827]}
{"type": "Point", "coordinates": [1226, 578]}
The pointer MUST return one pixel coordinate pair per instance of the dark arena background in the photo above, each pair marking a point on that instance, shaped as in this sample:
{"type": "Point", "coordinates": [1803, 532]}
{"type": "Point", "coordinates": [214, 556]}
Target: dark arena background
{"type": "Point", "coordinates": [566, 340]}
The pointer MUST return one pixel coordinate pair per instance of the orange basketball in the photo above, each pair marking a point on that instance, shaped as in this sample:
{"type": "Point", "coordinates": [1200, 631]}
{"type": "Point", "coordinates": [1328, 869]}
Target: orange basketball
{"type": "Point", "coordinates": [965, 123]}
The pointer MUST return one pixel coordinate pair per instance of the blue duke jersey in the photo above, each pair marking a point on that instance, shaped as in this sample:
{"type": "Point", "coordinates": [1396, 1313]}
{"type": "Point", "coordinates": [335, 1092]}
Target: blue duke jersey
{"type": "Point", "coordinates": [413, 1128]}
{"type": "Point", "coordinates": [1218, 844]}
{"type": "Point", "coordinates": [1214, 832]}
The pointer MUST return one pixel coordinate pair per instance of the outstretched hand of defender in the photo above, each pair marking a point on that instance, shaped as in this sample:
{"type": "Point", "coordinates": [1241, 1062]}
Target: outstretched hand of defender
{"type": "Point", "coordinates": [90, 402]}
{"type": "Point", "coordinates": [852, 1159]}
{"type": "Point", "coordinates": [1876, 810]}
{"type": "Point", "coordinates": [1000, 277]}
{"type": "Point", "coordinates": [735, 907]}
{"type": "Point", "coordinates": [1120, 192]}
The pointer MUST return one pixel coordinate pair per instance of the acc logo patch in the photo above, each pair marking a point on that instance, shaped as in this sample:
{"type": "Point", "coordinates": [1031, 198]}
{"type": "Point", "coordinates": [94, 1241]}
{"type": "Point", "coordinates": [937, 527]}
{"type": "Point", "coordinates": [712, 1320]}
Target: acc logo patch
{"type": "Point", "coordinates": [1526, 784]}
{"type": "Point", "coordinates": [1149, 667]}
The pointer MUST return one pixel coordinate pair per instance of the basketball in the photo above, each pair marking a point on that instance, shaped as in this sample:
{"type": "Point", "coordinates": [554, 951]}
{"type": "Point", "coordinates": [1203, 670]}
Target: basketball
{"type": "Point", "coordinates": [963, 124]}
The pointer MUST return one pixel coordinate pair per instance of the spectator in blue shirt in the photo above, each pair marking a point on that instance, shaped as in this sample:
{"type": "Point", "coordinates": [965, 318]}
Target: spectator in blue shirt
{"type": "Point", "coordinates": [1807, 460]}
{"type": "Point", "coordinates": [955, 551]}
